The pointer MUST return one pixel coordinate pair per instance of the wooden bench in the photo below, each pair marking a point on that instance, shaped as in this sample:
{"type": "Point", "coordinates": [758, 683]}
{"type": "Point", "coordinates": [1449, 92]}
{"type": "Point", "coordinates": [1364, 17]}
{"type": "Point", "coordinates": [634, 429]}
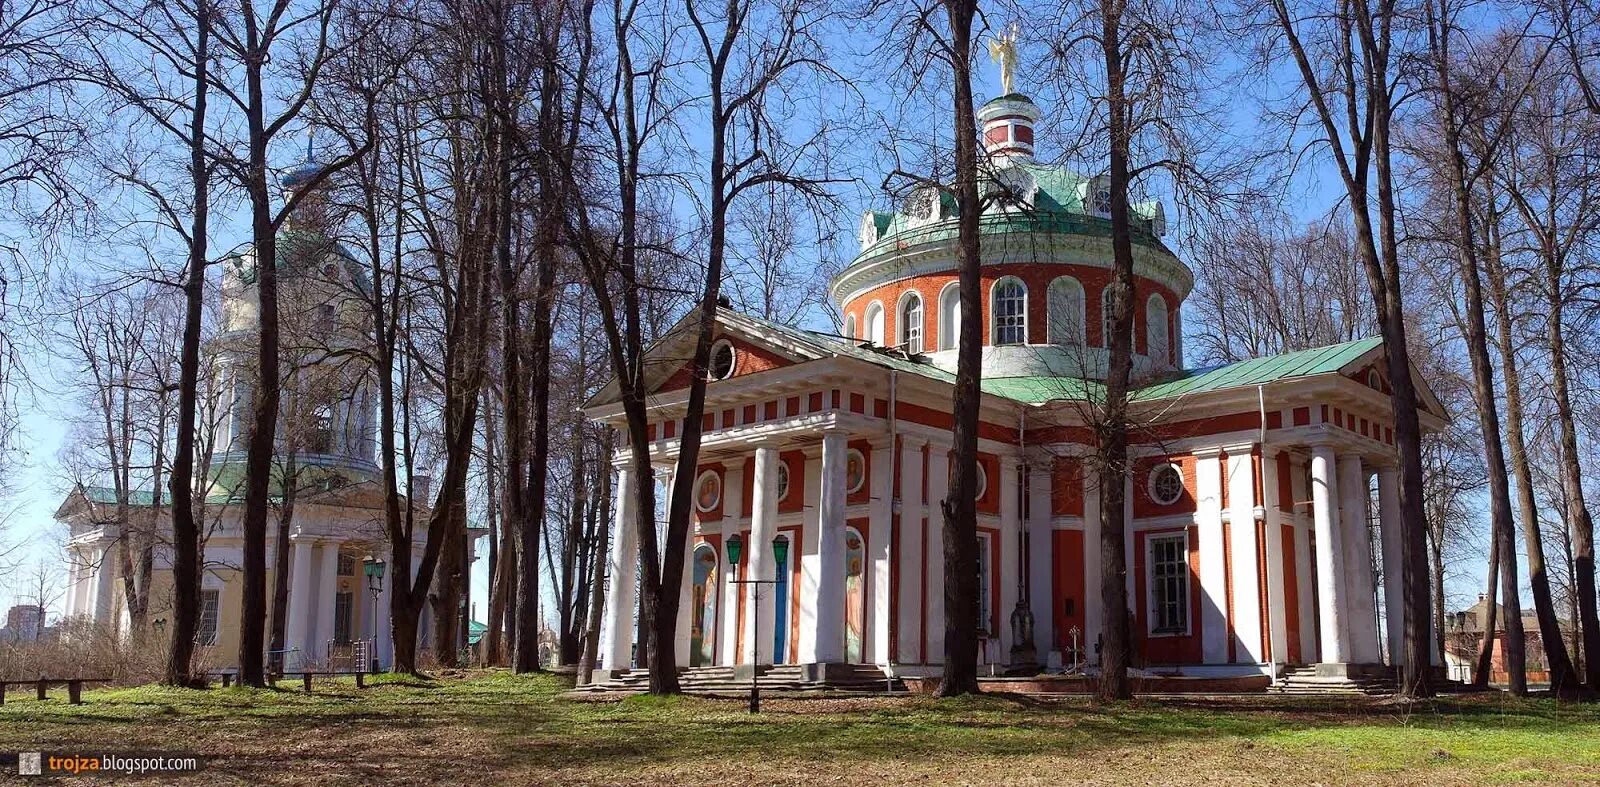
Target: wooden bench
{"type": "Point", "coordinates": [74, 687]}
{"type": "Point", "coordinates": [307, 675]}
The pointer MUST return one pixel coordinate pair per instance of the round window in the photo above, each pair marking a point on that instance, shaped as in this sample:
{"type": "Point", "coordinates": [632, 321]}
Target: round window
{"type": "Point", "coordinates": [1166, 484]}
{"type": "Point", "coordinates": [1374, 380]}
{"type": "Point", "coordinates": [983, 481]}
{"type": "Point", "coordinates": [783, 480]}
{"type": "Point", "coordinates": [722, 361]}
{"type": "Point", "coordinates": [708, 491]}
{"type": "Point", "coordinates": [855, 470]}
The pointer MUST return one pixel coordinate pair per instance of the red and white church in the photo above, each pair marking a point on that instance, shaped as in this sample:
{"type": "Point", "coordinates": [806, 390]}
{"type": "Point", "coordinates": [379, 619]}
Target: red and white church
{"type": "Point", "coordinates": [1254, 543]}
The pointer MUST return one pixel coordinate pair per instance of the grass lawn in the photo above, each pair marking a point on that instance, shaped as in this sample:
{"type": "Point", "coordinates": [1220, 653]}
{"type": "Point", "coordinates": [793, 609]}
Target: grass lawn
{"type": "Point", "coordinates": [492, 728]}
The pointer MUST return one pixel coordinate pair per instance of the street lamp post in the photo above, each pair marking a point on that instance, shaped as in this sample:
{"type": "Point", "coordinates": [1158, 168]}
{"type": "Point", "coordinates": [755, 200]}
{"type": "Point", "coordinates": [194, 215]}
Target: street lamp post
{"type": "Point", "coordinates": [373, 567]}
{"type": "Point", "coordinates": [780, 553]}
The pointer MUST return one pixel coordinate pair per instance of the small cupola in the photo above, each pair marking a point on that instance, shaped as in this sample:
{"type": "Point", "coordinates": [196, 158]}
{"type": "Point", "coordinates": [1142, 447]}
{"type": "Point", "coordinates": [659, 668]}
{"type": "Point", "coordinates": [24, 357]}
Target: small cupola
{"type": "Point", "coordinates": [1007, 124]}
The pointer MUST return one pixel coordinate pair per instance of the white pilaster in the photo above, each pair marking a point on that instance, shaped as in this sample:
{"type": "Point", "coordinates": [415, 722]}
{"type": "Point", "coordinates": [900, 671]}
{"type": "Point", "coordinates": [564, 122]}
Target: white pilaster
{"type": "Point", "coordinates": [1333, 636]}
{"type": "Point", "coordinates": [1093, 607]}
{"type": "Point", "coordinates": [1394, 607]}
{"type": "Point", "coordinates": [1357, 547]}
{"type": "Point", "coordinates": [880, 548]}
{"type": "Point", "coordinates": [297, 628]}
{"type": "Point", "coordinates": [829, 644]}
{"type": "Point", "coordinates": [912, 551]}
{"type": "Point", "coordinates": [617, 629]}
{"type": "Point", "coordinates": [1246, 574]}
{"type": "Point", "coordinates": [1010, 554]}
{"type": "Point", "coordinates": [1213, 569]}
{"type": "Point", "coordinates": [728, 609]}
{"type": "Point", "coordinates": [758, 553]}
{"type": "Point", "coordinates": [938, 489]}
{"type": "Point", "coordinates": [802, 644]}
{"type": "Point", "coordinates": [1041, 559]}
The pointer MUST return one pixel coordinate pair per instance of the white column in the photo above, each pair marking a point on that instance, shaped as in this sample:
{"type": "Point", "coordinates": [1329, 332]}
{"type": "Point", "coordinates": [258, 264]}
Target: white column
{"type": "Point", "coordinates": [685, 631]}
{"type": "Point", "coordinates": [802, 642]}
{"type": "Point", "coordinates": [1213, 569]}
{"type": "Point", "coordinates": [327, 591]}
{"type": "Point", "coordinates": [1246, 574]}
{"type": "Point", "coordinates": [1010, 554]}
{"type": "Point", "coordinates": [758, 553]}
{"type": "Point", "coordinates": [73, 575]}
{"type": "Point", "coordinates": [1277, 603]}
{"type": "Point", "coordinates": [1093, 606]}
{"type": "Point", "coordinates": [938, 489]}
{"type": "Point", "coordinates": [617, 627]}
{"type": "Point", "coordinates": [1394, 606]}
{"type": "Point", "coordinates": [104, 586]}
{"type": "Point", "coordinates": [1330, 559]}
{"type": "Point", "coordinates": [297, 627]}
{"type": "Point", "coordinates": [829, 644]}
{"type": "Point", "coordinates": [1303, 558]}
{"type": "Point", "coordinates": [1357, 547]}
{"type": "Point", "coordinates": [1041, 559]}
{"type": "Point", "coordinates": [880, 548]}
{"type": "Point", "coordinates": [728, 607]}
{"type": "Point", "coordinates": [912, 576]}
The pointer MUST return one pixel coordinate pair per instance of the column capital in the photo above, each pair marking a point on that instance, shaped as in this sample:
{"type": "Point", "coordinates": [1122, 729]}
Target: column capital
{"type": "Point", "coordinates": [912, 442]}
{"type": "Point", "coordinates": [1234, 449]}
{"type": "Point", "coordinates": [1208, 452]}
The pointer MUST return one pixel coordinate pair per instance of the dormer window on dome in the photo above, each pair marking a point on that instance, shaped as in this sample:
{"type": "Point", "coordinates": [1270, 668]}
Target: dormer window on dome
{"type": "Point", "coordinates": [923, 206]}
{"type": "Point", "coordinates": [1013, 187]}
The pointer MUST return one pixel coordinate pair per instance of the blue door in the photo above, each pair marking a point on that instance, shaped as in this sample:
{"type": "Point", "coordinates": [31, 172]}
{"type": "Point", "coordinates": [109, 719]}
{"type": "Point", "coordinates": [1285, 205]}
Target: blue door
{"type": "Point", "coordinates": [780, 621]}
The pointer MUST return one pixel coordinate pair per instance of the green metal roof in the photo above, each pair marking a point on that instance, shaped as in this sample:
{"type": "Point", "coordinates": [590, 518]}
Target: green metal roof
{"type": "Point", "coordinates": [1255, 371]}
{"type": "Point", "coordinates": [105, 495]}
{"type": "Point", "coordinates": [1046, 388]}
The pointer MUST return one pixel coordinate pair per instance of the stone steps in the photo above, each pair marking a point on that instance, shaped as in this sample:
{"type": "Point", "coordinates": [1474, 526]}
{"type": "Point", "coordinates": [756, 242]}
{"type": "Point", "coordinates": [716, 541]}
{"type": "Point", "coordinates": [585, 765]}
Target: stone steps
{"type": "Point", "coordinates": [1307, 681]}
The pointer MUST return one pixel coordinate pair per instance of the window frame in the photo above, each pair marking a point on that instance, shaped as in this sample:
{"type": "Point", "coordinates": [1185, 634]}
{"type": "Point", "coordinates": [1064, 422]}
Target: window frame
{"type": "Point", "coordinates": [949, 317]}
{"type": "Point", "coordinates": [1057, 299]}
{"type": "Point", "coordinates": [878, 335]}
{"type": "Point", "coordinates": [201, 637]}
{"type": "Point", "coordinates": [711, 360]}
{"type": "Point", "coordinates": [1020, 317]}
{"type": "Point", "coordinates": [783, 480]}
{"type": "Point", "coordinates": [1151, 330]}
{"type": "Point", "coordinates": [1150, 483]}
{"type": "Point", "coordinates": [911, 303]}
{"type": "Point", "coordinates": [1153, 592]}
{"type": "Point", "coordinates": [860, 482]}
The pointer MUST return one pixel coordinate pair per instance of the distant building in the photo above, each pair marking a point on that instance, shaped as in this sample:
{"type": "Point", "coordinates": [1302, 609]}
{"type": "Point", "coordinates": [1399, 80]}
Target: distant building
{"type": "Point", "coordinates": [24, 623]}
{"type": "Point", "coordinates": [1464, 641]}
{"type": "Point", "coordinates": [331, 434]}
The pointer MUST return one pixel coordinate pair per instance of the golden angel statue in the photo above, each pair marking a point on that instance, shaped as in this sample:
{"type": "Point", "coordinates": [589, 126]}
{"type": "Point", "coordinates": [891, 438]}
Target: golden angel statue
{"type": "Point", "coordinates": [1003, 50]}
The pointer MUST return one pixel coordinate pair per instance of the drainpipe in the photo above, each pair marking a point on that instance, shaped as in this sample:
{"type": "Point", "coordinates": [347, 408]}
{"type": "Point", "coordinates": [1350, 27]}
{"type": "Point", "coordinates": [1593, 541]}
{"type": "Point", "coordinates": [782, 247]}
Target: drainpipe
{"type": "Point", "coordinates": [894, 501]}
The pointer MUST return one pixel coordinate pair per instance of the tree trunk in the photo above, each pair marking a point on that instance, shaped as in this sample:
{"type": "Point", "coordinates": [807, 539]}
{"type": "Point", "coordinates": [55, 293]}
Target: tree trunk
{"type": "Point", "coordinates": [960, 520]}
{"type": "Point", "coordinates": [280, 565]}
{"type": "Point", "coordinates": [1477, 341]}
{"type": "Point", "coordinates": [1485, 665]}
{"type": "Point", "coordinates": [1112, 429]}
{"type": "Point", "coordinates": [1563, 678]}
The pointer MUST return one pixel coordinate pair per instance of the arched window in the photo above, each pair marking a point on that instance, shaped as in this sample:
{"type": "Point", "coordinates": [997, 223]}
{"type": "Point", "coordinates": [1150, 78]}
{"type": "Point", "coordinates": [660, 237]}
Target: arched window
{"type": "Point", "coordinates": [850, 325]}
{"type": "Point", "coordinates": [875, 324]}
{"type": "Point", "coordinates": [1066, 311]}
{"type": "Point", "coordinates": [949, 316]}
{"type": "Point", "coordinates": [1155, 328]}
{"type": "Point", "coordinates": [911, 323]}
{"type": "Point", "coordinates": [1009, 305]}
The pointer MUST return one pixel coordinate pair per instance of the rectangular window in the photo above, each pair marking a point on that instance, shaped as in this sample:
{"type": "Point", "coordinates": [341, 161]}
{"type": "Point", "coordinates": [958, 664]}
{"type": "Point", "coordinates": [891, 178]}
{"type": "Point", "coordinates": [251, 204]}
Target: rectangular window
{"type": "Point", "coordinates": [1169, 584]}
{"type": "Point", "coordinates": [347, 565]}
{"type": "Point", "coordinates": [210, 613]}
{"type": "Point", "coordinates": [1011, 319]}
{"type": "Point", "coordinates": [343, 607]}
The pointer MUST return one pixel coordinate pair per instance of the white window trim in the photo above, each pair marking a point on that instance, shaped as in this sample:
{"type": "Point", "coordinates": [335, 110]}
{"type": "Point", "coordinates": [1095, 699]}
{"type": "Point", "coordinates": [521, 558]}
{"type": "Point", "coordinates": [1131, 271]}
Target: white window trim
{"type": "Point", "coordinates": [1166, 329]}
{"type": "Point", "coordinates": [1150, 484]}
{"type": "Point", "coordinates": [706, 477]}
{"type": "Point", "coordinates": [948, 338]}
{"type": "Point", "coordinates": [1150, 539]}
{"type": "Point", "coordinates": [850, 325]}
{"type": "Point", "coordinates": [860, 482]}
{"type": "Point", "coordinates": [994, 311]}
{"type": "Point", "coordinates": [901, 329]}
{"type": "Point", "coordinates": [733, 366]}
{"type": "Point", "coordinates": [1079, 318]}
{"type": "Point", "coordinates": [866, 324]}
{"type": "Point", "coordinates": [782, 481]}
